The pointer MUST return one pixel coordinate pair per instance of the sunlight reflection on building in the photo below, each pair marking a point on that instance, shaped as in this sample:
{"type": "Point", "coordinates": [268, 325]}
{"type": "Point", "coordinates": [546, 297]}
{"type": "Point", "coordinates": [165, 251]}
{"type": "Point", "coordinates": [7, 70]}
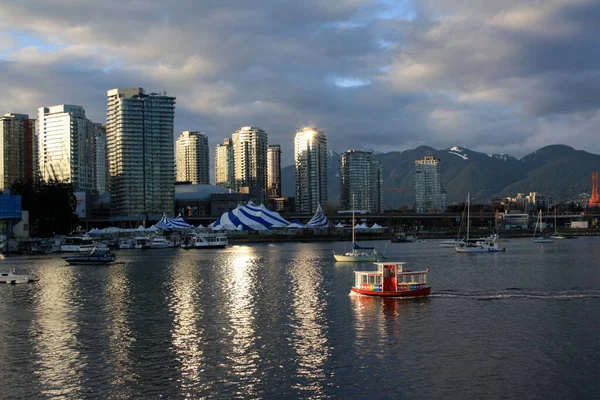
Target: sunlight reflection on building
{"type": "Point", "coordinates": [187, 333]}
{"type": "Point", "coordinates": [310, 324]}
{"type": "Point", "coordinates": [117, 295]}
{"type": "Point", "coordinates": [55, 333]}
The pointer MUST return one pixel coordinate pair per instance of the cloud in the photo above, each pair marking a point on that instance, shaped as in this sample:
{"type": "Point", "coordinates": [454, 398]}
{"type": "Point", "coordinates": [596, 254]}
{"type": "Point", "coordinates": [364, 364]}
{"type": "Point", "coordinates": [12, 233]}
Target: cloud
{"type": "Point", "coordinates": [504, 76]}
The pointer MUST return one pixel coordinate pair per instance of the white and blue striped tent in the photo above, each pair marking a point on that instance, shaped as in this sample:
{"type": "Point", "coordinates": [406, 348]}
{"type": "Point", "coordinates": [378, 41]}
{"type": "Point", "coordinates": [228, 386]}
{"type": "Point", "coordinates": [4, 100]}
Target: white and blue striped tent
{"type": "Point", "coordinates": [319, 220]}
{"type": "Point", "coordinates": [249, 218]}
{"type": "Point", "coordinates": [167, 223]}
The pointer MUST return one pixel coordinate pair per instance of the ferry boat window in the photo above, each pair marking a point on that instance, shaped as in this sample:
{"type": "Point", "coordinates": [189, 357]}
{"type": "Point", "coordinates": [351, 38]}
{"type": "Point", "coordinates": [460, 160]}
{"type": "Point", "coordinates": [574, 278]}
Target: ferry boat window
{"type": "Point", "coordinates": [364, 279]}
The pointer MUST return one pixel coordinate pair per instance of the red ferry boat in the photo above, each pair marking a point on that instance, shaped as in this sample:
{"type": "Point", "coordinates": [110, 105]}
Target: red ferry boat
{"type": "Point", "coordinates": [391, 280]}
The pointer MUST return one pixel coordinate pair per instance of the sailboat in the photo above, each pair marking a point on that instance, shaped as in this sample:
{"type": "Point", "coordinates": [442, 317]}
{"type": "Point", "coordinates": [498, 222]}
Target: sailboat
{"type": "Point", "coordinates": [541, 238]}
{"type": "Point", "coordinates": [357, 253]}
{"type": "Point", "coordinates": [485, 246]}
{"type": "Point", "coordinates": [556, 236]}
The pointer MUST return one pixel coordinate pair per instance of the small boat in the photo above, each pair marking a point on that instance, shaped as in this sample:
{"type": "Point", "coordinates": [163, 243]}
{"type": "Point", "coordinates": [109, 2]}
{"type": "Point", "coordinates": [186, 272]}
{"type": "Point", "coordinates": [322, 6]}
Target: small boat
{"type": "Point", "coordinates": [451, 243]}
{"type": "Point", "coordinates": [391, 280]}
{"type": "Point", "coordinates": [157, 242]}
{"type": "Point", "coordinates": [541, 238]}
{"type": "Point", "coordinates": [205, 240]}
{"type": "Point", "coordinates": [357, 253]}
{"type": "Point", "coordinates": [13, 277]}
{"type": "Point", "coordinates": [140, 242]}
{"type": "Point", "coordinates": [556, 235]}
{"type": "Point", "coordinates": [403, 238]}
{"type": "Point", "coordinates": [98, 256]}
{"type": "Point", "coordinates": [74, 244]}
{"type": "Point", "coordinates": [126, 243]}
{"type": "Point", "coordinates": [487, 245]}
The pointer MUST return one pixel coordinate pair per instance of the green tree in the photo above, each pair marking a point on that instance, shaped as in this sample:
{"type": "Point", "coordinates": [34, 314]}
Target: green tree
{"type": "Point", "coordinates": [51, 206]}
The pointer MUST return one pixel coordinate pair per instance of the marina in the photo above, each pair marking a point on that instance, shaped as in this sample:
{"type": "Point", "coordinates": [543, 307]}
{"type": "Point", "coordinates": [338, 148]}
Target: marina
{"type": "Point", "coordinates": [279, 320]}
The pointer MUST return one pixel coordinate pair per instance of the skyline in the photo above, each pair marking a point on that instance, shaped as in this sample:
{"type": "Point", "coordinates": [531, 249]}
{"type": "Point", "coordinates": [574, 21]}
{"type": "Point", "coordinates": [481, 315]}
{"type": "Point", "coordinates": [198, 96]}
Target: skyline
{"type": "Point", "coordinates": [507, 78]}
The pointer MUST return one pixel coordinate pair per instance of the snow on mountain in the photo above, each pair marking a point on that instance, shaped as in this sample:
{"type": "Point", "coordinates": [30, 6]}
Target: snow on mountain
{"type": "Point", "coordinates": [457, 152]}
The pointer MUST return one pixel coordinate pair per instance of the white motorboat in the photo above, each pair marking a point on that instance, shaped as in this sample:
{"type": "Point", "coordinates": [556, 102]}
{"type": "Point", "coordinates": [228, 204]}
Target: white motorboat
{"type": "Point", "coordinates": [126, 243]}
{"type": "Point", "coordinates": [140, 242]}
{"type": "Point", "coordinates": [205, 240]}
{"type": "Point", "coordinates": [74, 244]}
{"type": "Point", "coordinates": [488, 245]}
{"type": "Point", "coordinates": [541, 238]}
{"type": "Point", "coordinates": [157, 242]}
{"type": "Point", "coordinates": [13, 277]}
{"type": "Point", "coordinates": [357, 253]}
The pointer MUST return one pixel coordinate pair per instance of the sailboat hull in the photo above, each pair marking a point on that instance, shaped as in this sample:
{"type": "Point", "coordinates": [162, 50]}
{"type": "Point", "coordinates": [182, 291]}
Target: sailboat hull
{"type": "Point", "coordinates": [357, 257]}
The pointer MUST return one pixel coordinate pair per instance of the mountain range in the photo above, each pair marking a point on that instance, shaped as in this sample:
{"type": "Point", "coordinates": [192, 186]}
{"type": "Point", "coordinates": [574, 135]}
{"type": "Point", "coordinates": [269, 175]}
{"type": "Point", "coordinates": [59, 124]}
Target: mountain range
{"type": "Point", "coordinates": [558, 171]}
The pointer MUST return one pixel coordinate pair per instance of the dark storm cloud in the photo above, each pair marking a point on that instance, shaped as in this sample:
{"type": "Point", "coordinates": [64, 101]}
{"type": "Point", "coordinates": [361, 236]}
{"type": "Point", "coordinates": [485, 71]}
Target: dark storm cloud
{"type": "Point", "coordinates": [504, 76]}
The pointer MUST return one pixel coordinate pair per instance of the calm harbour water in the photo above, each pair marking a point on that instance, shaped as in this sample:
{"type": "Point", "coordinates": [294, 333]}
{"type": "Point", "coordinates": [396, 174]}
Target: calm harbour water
{"type": "Point", "coordinates": [278, 321]}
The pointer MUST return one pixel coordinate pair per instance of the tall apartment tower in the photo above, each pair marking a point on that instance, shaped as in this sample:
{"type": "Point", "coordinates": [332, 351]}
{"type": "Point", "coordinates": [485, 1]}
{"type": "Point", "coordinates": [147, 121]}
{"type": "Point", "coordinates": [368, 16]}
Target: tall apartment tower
{"type": "Point", "coordinates": [66, 146]}
{"type": "Point", "coordinates": [430, 192]}
{"type": "Point", "coordinates": [274, 171]}
{"type": "Point", "coordinates": [224, 165]}
{"type": "Point", "coordinates": [310, 156]}
{"type": "Point", "coordinates": [250, 161]}
{"type": "Point", "coordinates": [101, 177]}
{"type": "Point", "coordinates": [191, 157]}
{"type": "Point", "coordinates": [361, 177]}
{"type": "Point", "coordinates": [18, 149]}
{"type": "Point", "coordinates": [139, 145]}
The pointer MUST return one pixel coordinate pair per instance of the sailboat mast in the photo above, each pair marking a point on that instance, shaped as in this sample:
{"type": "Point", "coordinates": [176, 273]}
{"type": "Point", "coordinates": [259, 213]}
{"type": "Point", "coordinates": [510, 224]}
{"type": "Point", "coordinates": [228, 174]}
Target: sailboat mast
{"type": "Point", "coordinates": [468, 213]}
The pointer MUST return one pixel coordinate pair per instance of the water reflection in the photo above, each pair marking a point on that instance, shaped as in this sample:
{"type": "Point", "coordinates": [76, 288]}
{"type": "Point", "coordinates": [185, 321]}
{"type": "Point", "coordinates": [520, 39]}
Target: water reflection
{"type": "Point", "coordinates": [239, 287]}
{"type": "Point", "coordinates": [55, 331]}
{"type": "Point", "coordinates": [310, 324]}
{"type": "Point", "coordinates": [120, 337]}
{"type": "Point", "coordinates": [187, 333]}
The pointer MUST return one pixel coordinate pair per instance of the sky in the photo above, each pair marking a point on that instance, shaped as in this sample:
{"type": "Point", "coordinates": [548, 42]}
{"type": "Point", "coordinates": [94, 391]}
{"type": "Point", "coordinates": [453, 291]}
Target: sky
{"type": "Point", "coordinates": [388, 75]}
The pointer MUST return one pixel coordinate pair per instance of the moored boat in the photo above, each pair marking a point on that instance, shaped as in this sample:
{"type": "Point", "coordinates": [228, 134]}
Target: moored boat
{"type": "Point", "coordinates": [74, 244]}
{"type": "Point", "coordinates": [357, 253]}
{"type": "Point", "coordinates": [13, 277]}
{"type": "Point", "coordinates": [157, 242]}
{"type": "Point", "coordinates": [541, 238]}
{"type": "Point", "coordinates": [98, 256]}
{"type": "Point", "coordinates": [391, 280]}
{"type": "Point", "coordinates": [205, 240]}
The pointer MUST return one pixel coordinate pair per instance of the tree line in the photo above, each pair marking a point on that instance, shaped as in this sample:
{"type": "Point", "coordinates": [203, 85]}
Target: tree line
{"type": "Point", "coordinates": [51, 206]}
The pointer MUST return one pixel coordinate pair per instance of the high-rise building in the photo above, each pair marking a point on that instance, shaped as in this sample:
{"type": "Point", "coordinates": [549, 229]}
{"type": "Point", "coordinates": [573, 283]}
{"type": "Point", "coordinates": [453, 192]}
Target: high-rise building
{"type": "Point", "coordinates": [361, 178]}
{"type": "Point", "coordinates": [101, 176]}
{"type": "Point", "coordinates": [224, 165]}
{"type": "Point", "coordinates": [310, 156]}
{"type": "Point", "coordinates": [430, 192]}
{"type": "Point", "coordinates": [274, 171]}
{"type": "Point", "coordinates": [18, 149]}
{"type": "Point", "coordinates": [66, 146]}
{"type": "Point", "coordinates": [191, 157]}
{"type": "Point", "coordinates": [139, 144]}
{"type": "Point", "coordinates": [250, 161]}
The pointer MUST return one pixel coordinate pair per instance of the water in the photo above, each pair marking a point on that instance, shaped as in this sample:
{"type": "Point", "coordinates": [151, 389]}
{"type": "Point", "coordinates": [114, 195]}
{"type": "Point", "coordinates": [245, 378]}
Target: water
{"type": "Point", "coordinates": [278, 321]}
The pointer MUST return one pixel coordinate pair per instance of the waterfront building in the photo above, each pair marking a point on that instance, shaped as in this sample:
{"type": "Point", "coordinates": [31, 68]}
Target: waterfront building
{"type": "Point", "coordinates": [310, 156]}
{"type": "Point", "coordinates": [18, 149]}
{"type": "Point", "coordinates": [430, 192]}
{"type": "Point", "coordinates": [191, 158]}
{"type": "Point", "coordinates": [250, 161]}
{"type": "Point", "coordinates": [139, 144]}
{"type": "Point", "coordinates": [361, 177]}
{"type": "Point", "coordinates": [274, 171]}
{"type": "Point", "coordinates": [224, 165]}
{"type": "Point", "coordinates": [101, 176]}
{"type": "Point", "coordinates": [66, 146]}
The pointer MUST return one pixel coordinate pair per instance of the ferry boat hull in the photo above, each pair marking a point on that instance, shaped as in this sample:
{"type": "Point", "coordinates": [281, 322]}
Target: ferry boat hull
{"type": "Point", "coordinates": [407, 293]}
